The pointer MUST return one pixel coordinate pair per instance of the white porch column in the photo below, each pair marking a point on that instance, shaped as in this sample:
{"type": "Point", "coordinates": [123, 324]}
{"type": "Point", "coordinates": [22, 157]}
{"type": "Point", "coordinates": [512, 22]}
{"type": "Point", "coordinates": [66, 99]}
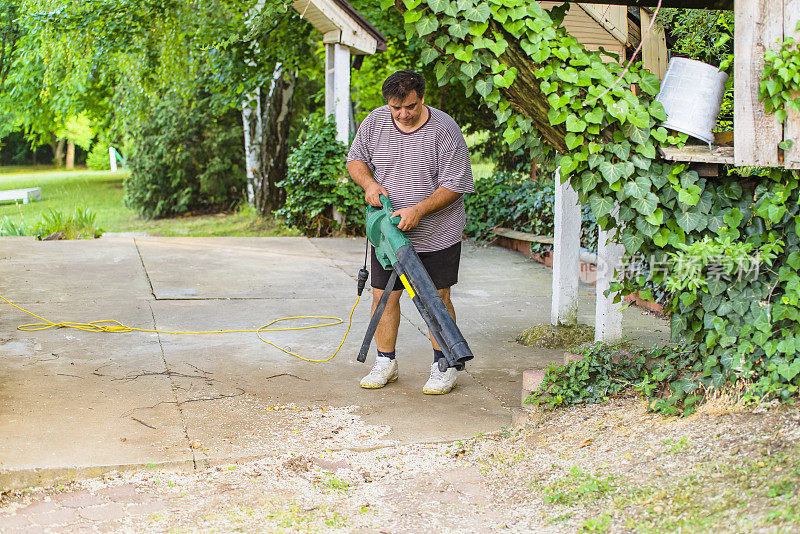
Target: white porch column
{"type": "Point", "coordinates": [329, 79]}
{"type": "Point", "coordinates": [337, 88]}
{"type": "Point", "coordinates": [607, 315]}
{"type": "Point", "coordinates": [341, 91]}
{"type": "Point", "coordinates": [566, 255]}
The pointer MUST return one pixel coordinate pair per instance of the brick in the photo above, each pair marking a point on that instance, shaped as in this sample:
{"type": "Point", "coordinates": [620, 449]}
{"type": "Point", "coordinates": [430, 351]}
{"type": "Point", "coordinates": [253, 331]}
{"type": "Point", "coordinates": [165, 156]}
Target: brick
{"type": "Point", "coordinates": [572, 357]}
{"type": "Point", "coordinates": [79, 499]}
{"type": "Point", "coordinates": [104, 512]}
{"type": "Point", "coordinates": [56, 517]}
{"type": "Point", "coordinates": [532, 379]}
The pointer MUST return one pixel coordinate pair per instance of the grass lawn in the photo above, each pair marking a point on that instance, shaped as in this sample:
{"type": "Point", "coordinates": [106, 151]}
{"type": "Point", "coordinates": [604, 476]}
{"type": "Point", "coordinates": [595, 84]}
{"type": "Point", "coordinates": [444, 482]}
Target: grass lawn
{"type": "Point", "coordinates": [102, 192]}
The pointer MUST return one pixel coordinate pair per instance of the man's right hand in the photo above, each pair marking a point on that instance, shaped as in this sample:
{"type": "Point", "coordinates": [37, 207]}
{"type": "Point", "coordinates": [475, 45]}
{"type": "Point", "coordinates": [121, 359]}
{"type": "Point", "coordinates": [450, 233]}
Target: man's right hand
{"type": "Point", "coordinates": [372, 194]}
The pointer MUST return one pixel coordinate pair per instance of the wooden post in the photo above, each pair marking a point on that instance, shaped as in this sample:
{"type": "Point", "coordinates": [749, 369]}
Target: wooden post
{"type": "Point", "coordinates": [566, 255]}
{"type": "Point", "coordinates": [758, 26]}
{"type": "Point", "coordinates": [112, 158]}
{"type": "Point", "coordinates": [791, 128]}
{"type": "Point", "coordinates": [607, 314]}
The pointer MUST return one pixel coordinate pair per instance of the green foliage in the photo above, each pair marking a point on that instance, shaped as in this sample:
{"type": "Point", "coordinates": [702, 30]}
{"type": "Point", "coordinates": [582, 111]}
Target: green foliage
{"type": "Point", "coordinates": [185, 158]}
{"type": "Point", "coordinates": [98, 159]}
{"type": "Point", "coordinates": [701, 34]}
{"type": "Point", "coordinates": [512, 200]}
{"type": "Point", "coordinates": [10, 228]}
{"type": "Point", "coordinates": [80, 224]}
{"type": "Point", "coordinates": [578, 486]}
{"type": "Point", "coordinates": [315, 183]}
{"type": "Point", "coordinates": [780, 81]}
{"type": "Point", "coordinates": [501, 51]}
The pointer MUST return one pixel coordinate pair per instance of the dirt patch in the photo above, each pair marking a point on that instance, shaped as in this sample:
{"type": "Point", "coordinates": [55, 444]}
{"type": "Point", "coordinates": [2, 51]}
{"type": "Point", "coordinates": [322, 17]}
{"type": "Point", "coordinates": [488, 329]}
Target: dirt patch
{"type": "Point", "coordinates": [602, 468]}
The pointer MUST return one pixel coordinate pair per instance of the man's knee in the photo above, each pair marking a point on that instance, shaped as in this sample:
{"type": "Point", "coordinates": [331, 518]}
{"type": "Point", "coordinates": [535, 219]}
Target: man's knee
{"type": "Point", "coordinates": [394, 298]}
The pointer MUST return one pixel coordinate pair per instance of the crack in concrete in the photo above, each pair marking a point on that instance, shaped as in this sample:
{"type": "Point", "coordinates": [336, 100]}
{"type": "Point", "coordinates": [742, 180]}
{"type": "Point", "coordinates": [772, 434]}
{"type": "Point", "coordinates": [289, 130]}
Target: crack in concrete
{"type": "Point", "coordinates": [144, 269]}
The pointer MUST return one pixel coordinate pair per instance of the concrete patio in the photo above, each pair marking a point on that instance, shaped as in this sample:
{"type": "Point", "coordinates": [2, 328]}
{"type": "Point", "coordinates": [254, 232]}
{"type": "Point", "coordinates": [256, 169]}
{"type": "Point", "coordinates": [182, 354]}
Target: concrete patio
{"type": "Point", "coordinates": [75, 403]}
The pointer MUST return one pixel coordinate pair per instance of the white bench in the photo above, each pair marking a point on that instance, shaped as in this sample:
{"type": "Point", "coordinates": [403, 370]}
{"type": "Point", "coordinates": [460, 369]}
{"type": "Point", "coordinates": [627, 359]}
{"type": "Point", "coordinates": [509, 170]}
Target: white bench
{"type": "Point", "coordinates": [31, 194]}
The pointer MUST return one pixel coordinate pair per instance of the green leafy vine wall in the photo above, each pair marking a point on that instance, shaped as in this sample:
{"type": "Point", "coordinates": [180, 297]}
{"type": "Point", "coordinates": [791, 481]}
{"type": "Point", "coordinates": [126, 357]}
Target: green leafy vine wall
{"type": "Point", "coordinates": [548, 92]}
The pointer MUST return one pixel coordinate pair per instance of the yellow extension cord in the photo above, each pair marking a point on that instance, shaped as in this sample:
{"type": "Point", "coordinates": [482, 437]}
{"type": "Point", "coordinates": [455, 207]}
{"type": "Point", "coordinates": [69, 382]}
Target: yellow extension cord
{"type": "Point", "coordinates": [113, 326]}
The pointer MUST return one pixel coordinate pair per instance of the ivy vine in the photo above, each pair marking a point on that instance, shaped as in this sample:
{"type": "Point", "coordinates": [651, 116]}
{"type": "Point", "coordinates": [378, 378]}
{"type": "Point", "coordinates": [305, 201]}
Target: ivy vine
{"type": "Point", "coordinates": [780, 81]}
{"type": "Point", "coordinates": [548, 92]}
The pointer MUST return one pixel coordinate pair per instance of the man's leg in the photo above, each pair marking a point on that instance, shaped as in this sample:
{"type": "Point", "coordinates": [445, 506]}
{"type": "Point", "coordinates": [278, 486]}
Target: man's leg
{"type": "Point", "coordinates": [439, 383]}
{"type": "Point", "coordinates": [385, 368]}
{"type": "Point", "coordinates": [386, 333]}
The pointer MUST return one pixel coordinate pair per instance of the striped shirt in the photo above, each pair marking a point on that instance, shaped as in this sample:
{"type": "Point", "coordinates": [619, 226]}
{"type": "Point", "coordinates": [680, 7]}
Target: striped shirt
{"type": "Point", "coordinates": [411, 166]}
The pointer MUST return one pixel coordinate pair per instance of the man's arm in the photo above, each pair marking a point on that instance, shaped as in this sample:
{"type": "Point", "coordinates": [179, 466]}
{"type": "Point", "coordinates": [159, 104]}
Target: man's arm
{"type": "Point", "coordinates": [359, 172]}
{"type": "Point", "coordinates": [440, 199]}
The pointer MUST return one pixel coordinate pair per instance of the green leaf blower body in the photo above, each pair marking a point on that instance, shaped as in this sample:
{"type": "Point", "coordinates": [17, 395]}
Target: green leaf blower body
{"type": "Point", "coordinates": [394, 251]}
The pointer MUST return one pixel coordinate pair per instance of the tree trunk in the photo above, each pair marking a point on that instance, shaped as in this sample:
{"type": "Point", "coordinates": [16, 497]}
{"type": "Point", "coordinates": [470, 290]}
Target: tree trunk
{"type": "Point", "coordinates": [58, 153]}
{"type": "Point", "coordinates": [70, 155]}
{"type": "Point", "coordinates": [267, 117]}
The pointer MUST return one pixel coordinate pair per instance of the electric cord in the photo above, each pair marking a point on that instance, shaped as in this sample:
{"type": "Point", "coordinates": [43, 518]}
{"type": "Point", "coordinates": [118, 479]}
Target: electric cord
{"type": "Point", "coordinates": [112, 326]}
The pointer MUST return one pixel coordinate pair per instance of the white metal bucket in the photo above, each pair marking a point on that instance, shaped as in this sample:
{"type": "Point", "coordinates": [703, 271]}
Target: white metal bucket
{"type": "Point", "coordinates": [691, 94]}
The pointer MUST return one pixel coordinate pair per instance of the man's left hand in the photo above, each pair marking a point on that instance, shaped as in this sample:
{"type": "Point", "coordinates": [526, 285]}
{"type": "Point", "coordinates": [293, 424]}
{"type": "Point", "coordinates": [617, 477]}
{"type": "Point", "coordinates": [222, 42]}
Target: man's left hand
{"type": "Point", "coordinates": [409, 217]}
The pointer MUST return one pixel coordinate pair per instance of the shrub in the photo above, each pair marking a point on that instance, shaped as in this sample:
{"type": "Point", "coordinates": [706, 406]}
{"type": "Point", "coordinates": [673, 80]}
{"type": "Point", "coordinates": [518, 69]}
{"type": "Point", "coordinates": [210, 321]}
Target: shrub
{"type": "Point", "coordinates": [184, 157]}
{"type": "Point", "coordinates": [512, 200]}
{"type": "Point", "coordinates": [98, 159]}
{"type": "Point", "coordinates": [316, 182]}
{"type": "Point", "coordinates": [81, 224]}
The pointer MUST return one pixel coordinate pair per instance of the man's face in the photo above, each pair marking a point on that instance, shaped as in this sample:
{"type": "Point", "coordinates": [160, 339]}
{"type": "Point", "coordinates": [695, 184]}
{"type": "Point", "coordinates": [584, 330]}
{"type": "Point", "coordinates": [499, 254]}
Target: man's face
{"type": "Point", "coordinates": [407, 112]}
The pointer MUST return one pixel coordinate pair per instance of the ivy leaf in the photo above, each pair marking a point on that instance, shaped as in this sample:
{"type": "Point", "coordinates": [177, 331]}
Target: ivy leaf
{"type": "Point", "coordinates": [568, 75]}
{"type": "Point", "coordinates": [661, 237]}
{"type": "Point", "coordinates": [589, 180]}
{"type": "Point", "coordinates": [656, 218]}
{"type": "Point", "coordinates": [639, 118]}
{"type": "Point", "coordinates": [428, 55]}
{"type": "Point", "coordinates": [619, 110]}
{"type": "Point", "coordinates": [574, 124]}
{"type": "Point", "coordinates": [647, 150]}
{"type": "Point", "coordinates": [412, 16]}
{"type": "Point", "coordinates": [638, 136]}
{"type": "Point", "coordinates": [612, 172]}
{"type": "Point", "coordinates": [479, 13]}
{"type": "Point", "coordinates": [441, 41]}
{"type": "Point", "coordinates": [386, 4]}
{"type": "Point", "coordinates": [464, 53]}
{"type": "Point", "coordinates": [641, 162]}
{"type": "Point", "coordinates": [438, 5]}
{"type": "Point", "coordinates": [601, 205]}
{"type": "Point", "coordinates": [595, 160]}
{"type": "Point", "coordinates": [556, 116]}
{"type": "Point", "coordinates": [621, 150]}
{"type": "Point", "coordinates": [646, 205]}
{"type": "Point", "coordinates": [506, 79]}
{"type": "Point", "coordinates": [659, 134]}
{"type": "Point", "coordinates": [411, 4]}
{"type": "Point", "coordinates": [478, 29]}
{"type": "Point", "coordinates": [471, 69]}
{"type": "Point", "coordinates": [497, 47]}
{"type": "Point", "coordinates": [460, 30]}
{"type": "Point", "coordinates": [637, 188]}
{"type": "Point", "coordinates": [689, 220]}
{"type": "Point", "coordinates": [484, 87]}
{"type": "Point", "coordinates": [632, 242]}
{"type": "Point", "coordinates": [657, 111]}
{"type": "Point", "coordinates": [649, 83]}
{"type": "Point", "coordinates": [645, 227]}
{"type": "Point", "coordinates": [573, 140]}
{"type": "Point", "coordinates": [427, 25]}
{"type": "Point", "coordinates": [595, 116]}
{"type": "Point", "coordinates": [441, 68]}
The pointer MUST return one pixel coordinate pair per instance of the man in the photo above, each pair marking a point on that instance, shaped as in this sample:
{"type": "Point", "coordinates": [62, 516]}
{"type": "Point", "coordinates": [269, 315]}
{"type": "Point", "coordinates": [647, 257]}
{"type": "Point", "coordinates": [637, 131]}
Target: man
{"type": "Point", "coordinates": [416, 156]}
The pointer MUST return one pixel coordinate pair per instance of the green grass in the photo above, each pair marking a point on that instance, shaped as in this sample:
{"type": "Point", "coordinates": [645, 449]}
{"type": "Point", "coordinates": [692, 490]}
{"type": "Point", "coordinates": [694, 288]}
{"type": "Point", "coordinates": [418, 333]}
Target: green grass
{"type": "Point", "coordinates": [102, 192]}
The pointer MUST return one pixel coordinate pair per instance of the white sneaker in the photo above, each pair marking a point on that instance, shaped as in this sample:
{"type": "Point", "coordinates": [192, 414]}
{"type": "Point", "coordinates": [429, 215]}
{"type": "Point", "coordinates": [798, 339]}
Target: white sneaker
{"type": "Point", "coordinates": [439, 383]}
{"type": "Point", "coordinates": [383, 372]}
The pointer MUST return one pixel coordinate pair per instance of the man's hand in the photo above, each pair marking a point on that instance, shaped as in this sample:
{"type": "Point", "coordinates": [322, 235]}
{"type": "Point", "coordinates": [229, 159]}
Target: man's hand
{"type": "Point", "coordinates": [409, 217]}
{"type": "Point", "coordinates": [372, 192]}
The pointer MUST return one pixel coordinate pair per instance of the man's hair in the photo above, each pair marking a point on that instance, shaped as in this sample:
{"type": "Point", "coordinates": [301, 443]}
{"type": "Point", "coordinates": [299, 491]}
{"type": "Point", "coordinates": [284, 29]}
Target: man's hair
{"type": "Point", "coordinates": [400, 84]}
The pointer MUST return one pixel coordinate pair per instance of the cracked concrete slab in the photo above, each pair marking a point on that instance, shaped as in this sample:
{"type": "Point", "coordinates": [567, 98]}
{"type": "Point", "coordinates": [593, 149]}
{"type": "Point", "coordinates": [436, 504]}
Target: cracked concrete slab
{"type": "Point", "coordinates": [74, 402]}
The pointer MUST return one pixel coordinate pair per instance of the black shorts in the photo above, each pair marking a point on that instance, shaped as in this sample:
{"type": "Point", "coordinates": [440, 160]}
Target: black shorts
{"type": "Point", "coordinates": [442, 266]}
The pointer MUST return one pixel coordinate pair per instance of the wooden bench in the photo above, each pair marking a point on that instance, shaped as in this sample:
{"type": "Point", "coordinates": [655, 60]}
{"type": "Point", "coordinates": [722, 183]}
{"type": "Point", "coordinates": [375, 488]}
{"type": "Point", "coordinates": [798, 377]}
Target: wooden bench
{"type": "Point", "coordinates": [523, 236]}
{"type": "Point", "coordinates": [31, 194]}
